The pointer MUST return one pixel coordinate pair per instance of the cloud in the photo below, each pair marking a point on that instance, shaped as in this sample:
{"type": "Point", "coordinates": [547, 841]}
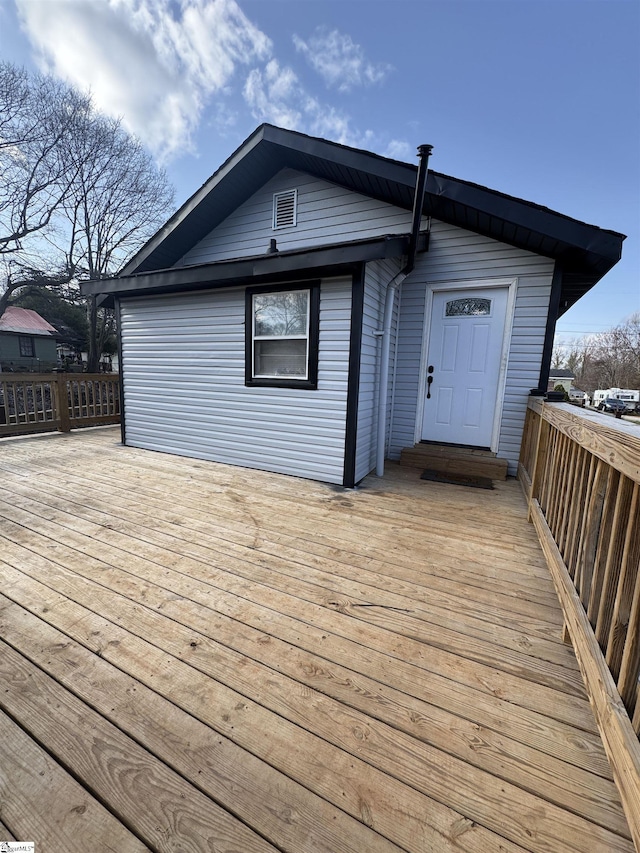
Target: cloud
{"type": "Point", "coordinates": [166, 66]}
{"type": "Point", "coordinates": [398, 149]}
{"type": "Point", "coordinates": [339, 60]}
{"type": "Point", "coordinates": [274, 94]}
{"type": "Point", "coordinates": [155, 63]}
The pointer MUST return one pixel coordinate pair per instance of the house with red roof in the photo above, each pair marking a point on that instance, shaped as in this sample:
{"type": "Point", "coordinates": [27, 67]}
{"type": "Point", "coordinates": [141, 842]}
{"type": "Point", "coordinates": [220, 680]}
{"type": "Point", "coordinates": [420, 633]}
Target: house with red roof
{"type": "Point", "coordinates": [27, 341]}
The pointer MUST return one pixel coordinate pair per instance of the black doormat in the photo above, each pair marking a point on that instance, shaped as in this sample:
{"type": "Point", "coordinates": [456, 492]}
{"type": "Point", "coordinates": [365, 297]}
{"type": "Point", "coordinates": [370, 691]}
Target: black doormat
{"type": "Point", "coordinates": [457, 479]}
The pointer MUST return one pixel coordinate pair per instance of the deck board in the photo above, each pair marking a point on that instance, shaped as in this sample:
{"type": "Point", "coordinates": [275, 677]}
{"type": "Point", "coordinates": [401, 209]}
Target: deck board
{"type": "Point", "coordinates": [377, 669]}
{"type": "Point", "coordinates": [282, 590]}
{"type": "Point", "coordinates": [41, 802]}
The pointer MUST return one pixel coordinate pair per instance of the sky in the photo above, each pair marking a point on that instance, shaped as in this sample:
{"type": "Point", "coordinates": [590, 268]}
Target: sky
{"type": "Point", "coordinates": [538, 99]}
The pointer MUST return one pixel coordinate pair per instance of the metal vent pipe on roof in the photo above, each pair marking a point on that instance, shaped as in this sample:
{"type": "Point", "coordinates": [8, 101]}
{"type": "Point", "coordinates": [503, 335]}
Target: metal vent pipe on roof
{"type": "Point", "coordinates": [424, 152]}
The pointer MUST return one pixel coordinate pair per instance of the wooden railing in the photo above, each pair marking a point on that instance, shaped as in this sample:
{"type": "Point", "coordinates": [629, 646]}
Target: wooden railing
{"type": "Point", "coordinates": [581, 475]}
{"type": "Point", "coordinates": [39, 402]}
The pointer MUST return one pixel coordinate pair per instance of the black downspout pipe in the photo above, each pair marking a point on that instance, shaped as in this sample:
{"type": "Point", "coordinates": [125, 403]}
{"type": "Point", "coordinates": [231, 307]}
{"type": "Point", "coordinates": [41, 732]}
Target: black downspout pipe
{"type": "Point", "coordinates": [424, 152]}
{"type": "Point", "coordinates": [383, 377]}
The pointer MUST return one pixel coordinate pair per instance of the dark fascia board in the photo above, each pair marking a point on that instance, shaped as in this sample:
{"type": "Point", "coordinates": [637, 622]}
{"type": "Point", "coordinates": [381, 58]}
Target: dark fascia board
{"type": "Point", "coordinates": [293, 142]}
{"type": "Point", "coordinates": [585, 251]}
{"type": "Point", "coordinates": [525, 214]}
{"type": "Point", "coordinates": [193, 202]}
{"type": "Point", "coordinates": [248, 270]}
{"type": "Point", "coordinates": [279, 143]}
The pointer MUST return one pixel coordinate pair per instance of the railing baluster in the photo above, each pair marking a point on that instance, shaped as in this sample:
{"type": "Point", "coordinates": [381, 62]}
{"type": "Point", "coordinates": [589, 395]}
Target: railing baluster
{"type": "Point", "coordinates": [593, 524]}
{"type": "Point", "coordinates": [626, 584]}
{"type": "Point", "coordinates": [604, 543]}
{"type": "Point", "coordinates": [636, 716]}
{"type": "Point", "coordinates": [540, 460]}
{"type": "Point", "coordinates": [614, 561]}
{"type": "Point", "coordinates": [630, 666]}
{"type": "Point", "coordinates": [546, 484]}
{"type": "Point", "coordinates": [571, 550]}
{"type": "Point", "coordinates": [569, 485]}
{"type": "Point", "coordinates": [556, 470]}
{"type": "Point", "coordinates": [20, 401]}
{"type": "Point", "coordinates": [582, 536]}
{"type": "Point", "coordinates": [4, 406]}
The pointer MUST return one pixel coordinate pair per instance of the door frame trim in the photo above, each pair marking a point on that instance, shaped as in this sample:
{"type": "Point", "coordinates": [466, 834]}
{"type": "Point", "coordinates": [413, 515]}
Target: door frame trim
{"type": "Point", "coordinates": [511, 284]}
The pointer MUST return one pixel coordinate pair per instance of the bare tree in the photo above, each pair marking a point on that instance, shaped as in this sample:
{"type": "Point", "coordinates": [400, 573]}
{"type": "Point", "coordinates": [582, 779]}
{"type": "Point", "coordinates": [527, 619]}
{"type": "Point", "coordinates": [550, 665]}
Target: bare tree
{"type": "Point", "coordinates": [558, 356]}
{"type": "Point", "coordinates": [117, 199]}
{"type": "Point", "coordinates": [628, 340]}
{"type": "Point", "coordinates": [14, 279]}
{"type": "Point", "coordinates": [77, 192]}
{"type": "Point", "coordinates": [573, 360]}
{"type": "Point", "coordinates": [37, 115]}
{"type": "Point", "coordinates": [607, 360]}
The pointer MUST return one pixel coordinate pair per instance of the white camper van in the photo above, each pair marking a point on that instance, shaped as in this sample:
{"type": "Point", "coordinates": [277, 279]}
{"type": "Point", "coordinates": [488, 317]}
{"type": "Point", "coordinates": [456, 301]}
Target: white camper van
{"type": "Point", "coordinates": [629, 397]}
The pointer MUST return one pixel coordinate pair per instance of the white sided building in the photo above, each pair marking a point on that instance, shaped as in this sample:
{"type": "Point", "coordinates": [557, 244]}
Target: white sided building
{"type": "Point", "coordinates": [295, 316]}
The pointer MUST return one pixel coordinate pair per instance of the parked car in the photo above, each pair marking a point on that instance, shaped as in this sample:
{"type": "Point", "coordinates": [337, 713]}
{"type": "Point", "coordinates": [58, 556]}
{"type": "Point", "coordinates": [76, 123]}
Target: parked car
{"type": "Point", "coordinates": [610, 404]}
{"type": "Point", "coordinates": [577, 397]}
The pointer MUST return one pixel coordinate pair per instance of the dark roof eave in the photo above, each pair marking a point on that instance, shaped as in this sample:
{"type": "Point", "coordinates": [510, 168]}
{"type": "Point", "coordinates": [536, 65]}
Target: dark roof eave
{"type": "Point", "coordinates": [225, 273]}
{"type": "Point", "coordinates": [581, 248]}
{"type": "Point", "coordinates": [594, 245]}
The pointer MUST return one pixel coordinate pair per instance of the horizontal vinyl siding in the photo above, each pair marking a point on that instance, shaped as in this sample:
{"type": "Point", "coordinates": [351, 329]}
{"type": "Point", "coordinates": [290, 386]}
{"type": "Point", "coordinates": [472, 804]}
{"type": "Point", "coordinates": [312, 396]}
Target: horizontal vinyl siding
{"type": "Point", "coordinates": [459, 255]}
{"type": "Point", "coordinates": [407, 367]}
{"type": "Point", "coordinates": [378, 274]}
{"type": "Point", "coordinates": [183, 377]}
{"type": "Point", "coordinates": [525, 358]}
{"type": "Point", "coordinates": [327, 214]}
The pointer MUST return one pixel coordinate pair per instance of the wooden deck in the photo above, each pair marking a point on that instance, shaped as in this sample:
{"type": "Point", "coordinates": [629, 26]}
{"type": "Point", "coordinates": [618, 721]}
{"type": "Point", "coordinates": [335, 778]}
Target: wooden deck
{"type": "Point", "coordinates": [204, 658]}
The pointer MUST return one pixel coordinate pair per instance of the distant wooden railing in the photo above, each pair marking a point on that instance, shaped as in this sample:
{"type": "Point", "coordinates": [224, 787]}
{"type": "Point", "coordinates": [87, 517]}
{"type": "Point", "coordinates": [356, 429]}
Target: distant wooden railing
{"type": "Point", "coordinates": [39, 402]}
{"type": "Point", "coordinates": [581, 475]}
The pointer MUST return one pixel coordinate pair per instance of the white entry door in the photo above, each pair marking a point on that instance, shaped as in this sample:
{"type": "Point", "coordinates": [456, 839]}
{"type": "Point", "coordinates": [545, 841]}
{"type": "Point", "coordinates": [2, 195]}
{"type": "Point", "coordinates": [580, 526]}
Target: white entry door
{"type": "Point", "coordinates": [463, 373]}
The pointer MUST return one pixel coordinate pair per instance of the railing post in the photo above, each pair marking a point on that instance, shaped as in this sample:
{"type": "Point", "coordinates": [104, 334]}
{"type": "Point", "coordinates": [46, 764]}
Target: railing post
{"type": "Point", "coordinates": [62, 402]}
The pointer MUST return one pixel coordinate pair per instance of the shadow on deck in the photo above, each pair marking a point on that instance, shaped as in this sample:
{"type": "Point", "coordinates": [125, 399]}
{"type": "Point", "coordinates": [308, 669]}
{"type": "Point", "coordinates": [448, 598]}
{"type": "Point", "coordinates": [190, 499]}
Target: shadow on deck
{"type": "Point", "coordinates": [201, 657]}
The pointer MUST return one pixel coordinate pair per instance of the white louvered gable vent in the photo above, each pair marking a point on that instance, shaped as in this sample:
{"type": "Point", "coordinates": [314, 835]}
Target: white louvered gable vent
{"type": "Point", "coordinates": [285, 209]}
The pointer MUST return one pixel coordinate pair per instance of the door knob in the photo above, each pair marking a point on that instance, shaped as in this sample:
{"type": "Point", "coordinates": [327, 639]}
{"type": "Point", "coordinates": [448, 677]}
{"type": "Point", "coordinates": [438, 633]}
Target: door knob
{"type": "Point", "coordinates": [429, 381]}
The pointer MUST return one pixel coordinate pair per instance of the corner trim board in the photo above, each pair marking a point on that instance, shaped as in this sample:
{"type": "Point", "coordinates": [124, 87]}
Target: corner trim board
{"type": "Point", "coordinates": [123, 430]}
{"type": "Point", "coordinates": [550, 330]}
{"type": "Point", "coordinates": [353, 381]}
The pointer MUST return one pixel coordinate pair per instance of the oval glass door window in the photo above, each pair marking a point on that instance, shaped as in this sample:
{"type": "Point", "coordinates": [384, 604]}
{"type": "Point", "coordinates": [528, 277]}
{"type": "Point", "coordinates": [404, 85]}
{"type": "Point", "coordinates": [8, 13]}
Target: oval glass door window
{"type": "Point", "coordinates": [468, 307]}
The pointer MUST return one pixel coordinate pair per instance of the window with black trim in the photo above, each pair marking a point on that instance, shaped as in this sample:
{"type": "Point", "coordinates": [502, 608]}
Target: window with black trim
{"type": "Point", "coordinates": [27, 347]}
{"type": "Point", "coordinates": [282, 336]}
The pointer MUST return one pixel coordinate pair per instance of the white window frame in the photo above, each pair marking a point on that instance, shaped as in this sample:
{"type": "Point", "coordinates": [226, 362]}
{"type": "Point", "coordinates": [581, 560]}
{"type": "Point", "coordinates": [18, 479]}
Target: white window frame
{"type": "Point", "coordinates": [304, 337]}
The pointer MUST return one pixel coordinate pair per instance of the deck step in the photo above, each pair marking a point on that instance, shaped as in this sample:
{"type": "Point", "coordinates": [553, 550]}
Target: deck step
{"type": "Point", "coordinates": [455, 460]}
